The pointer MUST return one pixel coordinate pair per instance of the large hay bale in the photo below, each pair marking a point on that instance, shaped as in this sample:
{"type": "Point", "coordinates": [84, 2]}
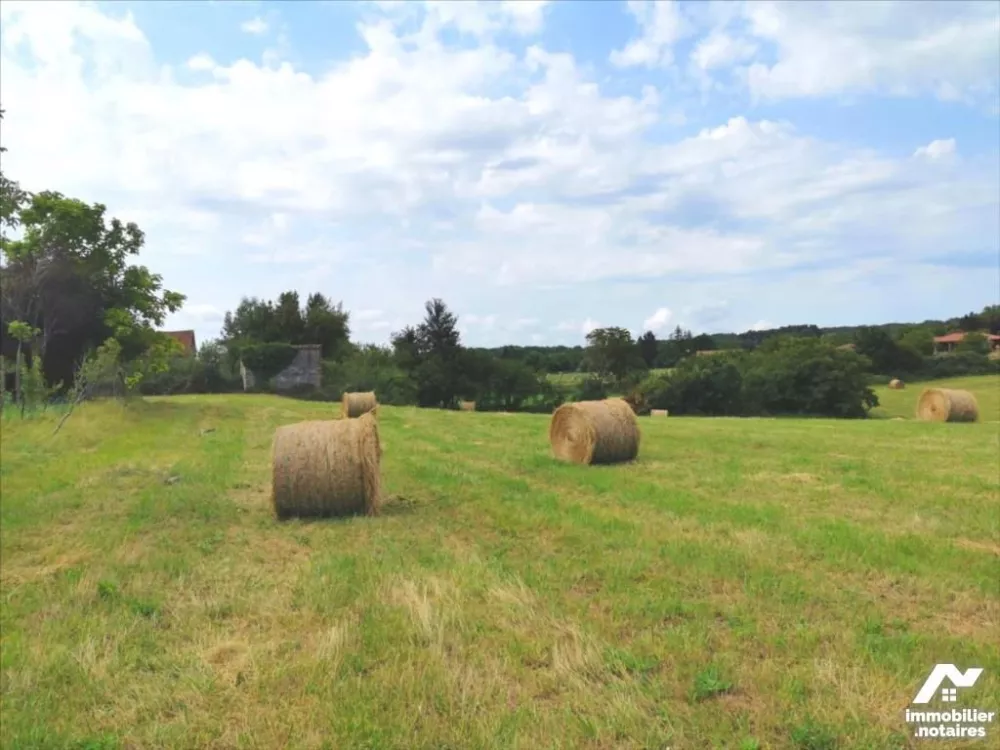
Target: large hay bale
{"type": "Point", "coordinates": [326, 468]}
{"type": "Point", "coordinates": [896, 384]}
{"type": "Point", "coordinates": [659, 413]}
{"type": "Point", "coordinates": [595, 432]}
{"type": "Point", "coordinates": [467, 405]}
{"type": "Point", "coordinates": [355, 404]}
{"type": "Point", "coordinates": [947, 405]}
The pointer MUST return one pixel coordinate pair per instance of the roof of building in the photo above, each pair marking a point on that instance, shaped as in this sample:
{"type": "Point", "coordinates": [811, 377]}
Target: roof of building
{"type": "Point", "coordinates": [957, 336]}
{"type": "Point", "coordinates": [186, 339]}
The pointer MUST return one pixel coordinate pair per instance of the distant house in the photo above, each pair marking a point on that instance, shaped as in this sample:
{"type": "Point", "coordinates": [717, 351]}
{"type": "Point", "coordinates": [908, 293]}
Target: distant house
{"type": "Point", "coordinates": [186, 339]}
{"type": "Point", "coordinates": [946, 344]}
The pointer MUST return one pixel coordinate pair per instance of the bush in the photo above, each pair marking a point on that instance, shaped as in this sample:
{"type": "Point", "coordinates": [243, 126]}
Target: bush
{"type": "Point", "coordinates": [370, 368]}
{"type": "Point", "coordinates": [698, 386]}
{"type": "Point", "coordinates": [806, 376]}
{"type": "Point", "coordinates": [957, 365]}
{"type": "Point", "coordinates": [591, 388]}
{"type": "Point", "coordinates": [265, 361]}
{"type": "Point", "coordinates": [785, 375]}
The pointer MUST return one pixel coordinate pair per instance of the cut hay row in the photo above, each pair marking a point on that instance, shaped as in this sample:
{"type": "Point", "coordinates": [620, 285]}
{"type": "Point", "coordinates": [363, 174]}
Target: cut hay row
{"type": "Point", "coordinates": [353, 405]}
{"type": "Point", "coordinates": [326, 468]}
{"type": "Point", "coordinates": [947, 405]}
{"type": "Point", "coordinates": [595, 432]}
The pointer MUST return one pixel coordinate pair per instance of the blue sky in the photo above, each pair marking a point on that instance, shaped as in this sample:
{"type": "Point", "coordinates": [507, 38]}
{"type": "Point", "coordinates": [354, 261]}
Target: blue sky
{"type": "Point", "coordinates": [543, 167]}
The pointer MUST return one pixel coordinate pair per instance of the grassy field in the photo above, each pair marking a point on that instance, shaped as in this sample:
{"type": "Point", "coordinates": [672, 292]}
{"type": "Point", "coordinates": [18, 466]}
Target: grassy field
{"type": "Point", "coordinates": [745, 584]}
{"type": "Point", "coordinates": [572, 379]}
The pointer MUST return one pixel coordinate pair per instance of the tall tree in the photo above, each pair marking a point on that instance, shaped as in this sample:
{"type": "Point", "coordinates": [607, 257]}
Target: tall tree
{"type": "Point", "coordinates": [72, 276]}
{"type": "Point", "coordinates": [648, 348]}
{"type": "Point", "coordinates": [612, 353]}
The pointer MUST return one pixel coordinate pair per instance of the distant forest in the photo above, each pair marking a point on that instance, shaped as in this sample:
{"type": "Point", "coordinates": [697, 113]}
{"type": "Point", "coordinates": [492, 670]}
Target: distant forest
{"type": "Point", "coordinates": [681, 343]}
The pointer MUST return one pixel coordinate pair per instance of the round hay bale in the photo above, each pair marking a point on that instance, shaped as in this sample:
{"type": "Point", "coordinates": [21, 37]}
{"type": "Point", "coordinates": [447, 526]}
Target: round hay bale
{"type": "Point", "coordinates": [467, 405]}
{"type": "Point", "coordinates": [658, 413]}
{"type": "Point", "coordinates": [326, 468]}
{"type": "Point", "coordinates": [595, 432]}
{"type": "Point", "coordinates": [896, 384]}
{"type": "Point", "coordinates": [947, 405]}
{"type": "Point", "coordinates": [355, 404]}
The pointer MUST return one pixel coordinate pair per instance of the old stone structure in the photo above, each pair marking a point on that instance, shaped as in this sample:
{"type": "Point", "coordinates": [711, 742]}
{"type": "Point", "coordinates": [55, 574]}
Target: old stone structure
{"type": "Point", "coordinates": [305, 369]}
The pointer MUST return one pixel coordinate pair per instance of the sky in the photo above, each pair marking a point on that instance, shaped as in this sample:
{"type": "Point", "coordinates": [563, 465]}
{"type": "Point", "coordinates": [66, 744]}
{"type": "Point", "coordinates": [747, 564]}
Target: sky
{"type": "Point", "coordinates": [543, 167]}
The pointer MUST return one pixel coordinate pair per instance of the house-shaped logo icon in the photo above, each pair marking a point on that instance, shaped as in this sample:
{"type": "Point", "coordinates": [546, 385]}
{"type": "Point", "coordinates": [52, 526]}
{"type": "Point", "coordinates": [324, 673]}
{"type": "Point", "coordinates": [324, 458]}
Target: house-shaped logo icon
{"type": "Point", "coordinates": [951, 673]}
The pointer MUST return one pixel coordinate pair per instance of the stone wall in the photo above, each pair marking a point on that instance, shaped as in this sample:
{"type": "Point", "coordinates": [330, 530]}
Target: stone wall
{"type": "Point", "coordinates": [305, 369]}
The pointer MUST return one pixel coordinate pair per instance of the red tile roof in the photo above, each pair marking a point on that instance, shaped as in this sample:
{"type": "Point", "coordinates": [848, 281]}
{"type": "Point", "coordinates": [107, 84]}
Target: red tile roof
{"type": "Point", "coordinates": [957, 336]}
{"type": "Point", "coordinates": [186, 339]}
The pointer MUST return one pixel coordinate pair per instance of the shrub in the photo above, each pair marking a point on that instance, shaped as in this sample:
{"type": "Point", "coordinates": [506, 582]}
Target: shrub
{"type": "Point", "coordinates": [369, 368]}
{"type": "Point", "coordinates": [266, 360]}
{"type": "Point", "coordinates": [957, 365]}
{"type": "Point", "coordinates": [806, 376]}
{"type": "Point", "coordinates": [698, 386]}
{"type": "Point", "coordinates": [591, 388]}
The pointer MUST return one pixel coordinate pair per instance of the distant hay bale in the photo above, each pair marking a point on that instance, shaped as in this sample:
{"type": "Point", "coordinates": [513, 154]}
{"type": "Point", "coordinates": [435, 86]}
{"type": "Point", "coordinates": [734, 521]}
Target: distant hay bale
{"type": "Point", "coordinates": [326, 468]}
{"type": "Point", "coordinates": [595, 432]}
{"type": "Point", "coordinates": [467, 405]}
{"type": "Point", "coordinates": [947, 405]}
{"type": "Point", "coordinates": [659, 413]}
{"type": "Point", "coordinates": [896, 384]}
{"type": "Point", "coordinates": [355, 404]}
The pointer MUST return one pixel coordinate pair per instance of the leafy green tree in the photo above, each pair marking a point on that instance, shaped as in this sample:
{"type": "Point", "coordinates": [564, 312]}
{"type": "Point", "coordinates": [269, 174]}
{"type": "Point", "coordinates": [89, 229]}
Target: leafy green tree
{"type": "Point", "coordinates": [432, 354]}
{"type": "Point", "coordinates": [257, 321]}
{"type": "Point", "coordinates": [648, 348]}
{"type": "Point", "coordinates": [612, 353]}
{"type": "Point", "coordinates": [12, 198]}
{"type": "Point", "coordinates": [23, 334]}
{"type": "Point", "coordinates": [974, 342]}
{"type": "Point", "coordinates": [72, 276]}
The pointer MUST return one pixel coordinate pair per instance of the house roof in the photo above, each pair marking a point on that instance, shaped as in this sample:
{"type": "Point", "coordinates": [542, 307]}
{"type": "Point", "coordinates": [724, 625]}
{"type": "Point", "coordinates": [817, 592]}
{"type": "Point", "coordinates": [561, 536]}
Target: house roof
{"type": "Point", "coordinates": [957, 336]}
{"type": "Point", "coordinates": [186, 339]}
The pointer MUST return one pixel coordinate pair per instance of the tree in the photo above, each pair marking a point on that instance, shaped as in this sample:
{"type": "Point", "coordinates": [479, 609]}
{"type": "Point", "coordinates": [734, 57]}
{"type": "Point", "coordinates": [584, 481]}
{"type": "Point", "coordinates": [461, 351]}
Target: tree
{"type": "Point", "coordinates": [438, 333]}
{"type": "Point", "coordinates": [648, 348]}
{"type": "Point", "coordinates": [72, 277]}
{"type": "Point", "coordinates": [23, 334]}
{"type": "Point", "coordinates": [12, 198]}
{"type": "Point", "coordinates": [974, 342]}
{"type": "Point", "coordinates": [888, 357]}
{"type": "Point", "coordinates": [612, 353]}
{"type": "Point", "coordinates": [432, 354]}
{"type": "Point", "coordinates": [258, 321]}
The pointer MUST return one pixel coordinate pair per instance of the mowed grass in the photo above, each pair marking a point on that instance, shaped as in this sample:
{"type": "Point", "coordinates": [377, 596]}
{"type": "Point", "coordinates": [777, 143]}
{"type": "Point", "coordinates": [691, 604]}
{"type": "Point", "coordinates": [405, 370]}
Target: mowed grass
{"type": "Point", "coordinates": [746, 583]}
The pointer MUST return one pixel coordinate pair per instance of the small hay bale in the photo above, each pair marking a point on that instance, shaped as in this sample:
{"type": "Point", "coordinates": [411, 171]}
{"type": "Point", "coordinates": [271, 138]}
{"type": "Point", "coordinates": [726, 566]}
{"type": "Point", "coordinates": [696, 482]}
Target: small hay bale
{"type": "Point", "coordinates": [896, 384]}
{"type": "Point", "coordinates": [659, 413]}
{"type": "Point", "coordinates": [355, 404]}
{"type": "Point", "coordinates": [467, 405]}
{"type": "Point", "coordinates": [595, 432]}
{"type": "Point", "coordinates": [947, 405]}
{"type": "Point", "coordinates": [326, 468]}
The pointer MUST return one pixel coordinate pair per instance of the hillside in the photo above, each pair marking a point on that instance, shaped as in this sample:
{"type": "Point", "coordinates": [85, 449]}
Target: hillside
{"type": "Point", "coordinates": [781, 582]}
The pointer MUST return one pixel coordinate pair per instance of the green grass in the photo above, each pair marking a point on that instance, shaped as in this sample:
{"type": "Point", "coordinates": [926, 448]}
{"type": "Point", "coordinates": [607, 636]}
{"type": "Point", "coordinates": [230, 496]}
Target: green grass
{"type": "Point", "coordinates": [573, 379]}
{"type": "Point", "coordinates": [747, 584]}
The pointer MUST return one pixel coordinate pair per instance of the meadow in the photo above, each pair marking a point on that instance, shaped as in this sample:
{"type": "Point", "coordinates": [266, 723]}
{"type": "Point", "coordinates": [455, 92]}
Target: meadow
{"type": "Point", "coordinates": [746, 583]}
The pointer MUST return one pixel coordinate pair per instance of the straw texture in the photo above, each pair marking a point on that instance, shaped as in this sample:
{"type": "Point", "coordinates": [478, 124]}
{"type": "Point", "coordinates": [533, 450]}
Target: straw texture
{"type": "Point", "coordinates": [595, 432]}
{"type": "Point", "coordinates": [947, 405]}
{"type": "Point", "coordinates": [327, 468]}
{"type": "Point", "coordinates": [355, 404]}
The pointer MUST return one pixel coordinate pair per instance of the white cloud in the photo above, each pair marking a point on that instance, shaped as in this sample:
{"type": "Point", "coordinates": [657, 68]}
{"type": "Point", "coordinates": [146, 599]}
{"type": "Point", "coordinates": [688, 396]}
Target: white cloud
{"type": "Point", "coordinates": [720, 50]}
{"type": "Point", "coordinates": [662, 25]}
{"type": "Point", "coordinates": [950, 50]}
{"type": "Point", "coordinates": [477, 173]}
{"type": "Point", "coordinates": [201, 62]}
{"type": "Point", "coordinates": [939, 149]}
{"type": "Point", "coordinates": [589, 325]}
{"type": "Point", "coordinates": [658, 321]}
{"type": "Point", "coordinates": [255, 26]}
{"type": "Point", "coordinates": [762, 325]}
